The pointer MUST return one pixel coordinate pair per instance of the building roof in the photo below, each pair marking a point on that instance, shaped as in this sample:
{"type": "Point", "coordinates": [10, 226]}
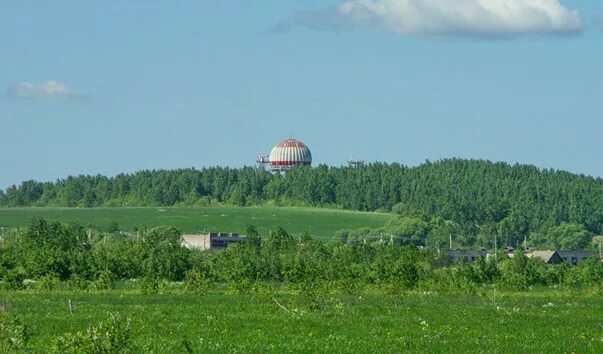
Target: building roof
{"type": "Point", "coordinates": [546, 256]}
{"type": "Point", "coordinates": [195, 237]}
{"type": "Point", "coordinates": [578, 254]}
{"type": "Point", "coordinates": [462, 253]}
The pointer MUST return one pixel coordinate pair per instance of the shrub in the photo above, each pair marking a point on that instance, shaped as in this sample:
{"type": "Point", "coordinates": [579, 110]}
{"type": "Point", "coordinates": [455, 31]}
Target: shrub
{"type": "Point", "coordinates": [103, 281]}
{"type": "Point", "coordinates": [195, 282]}
{"type": "Point", "coordinates": [78, 283]}
{"type": "Point", "coordinates": [111, 336]}
{"type": "Point", "coordinates": [242, 286]}
{"type": "Point", "coordinates": [14, 335]}
{"type": "Point", "coordinates": [513, 282]}
{"type": "Point", "coordinates": [14, 279]}
{"type": "Point", "coordinates": [149, 285]}
{"type": "Point", "coordinates": [48, 282]}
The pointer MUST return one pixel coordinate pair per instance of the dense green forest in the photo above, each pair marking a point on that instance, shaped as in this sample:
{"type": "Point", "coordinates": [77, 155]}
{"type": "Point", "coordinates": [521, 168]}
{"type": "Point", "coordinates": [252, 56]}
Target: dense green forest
{"type": "Point", "coordinates": [469, 197]}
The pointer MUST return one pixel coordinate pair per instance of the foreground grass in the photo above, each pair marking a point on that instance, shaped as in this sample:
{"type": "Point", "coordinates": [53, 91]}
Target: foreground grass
{"type": "Point", "coordinates": [320, 223]}
{"type": "Point", "coordinates": [356, 323]}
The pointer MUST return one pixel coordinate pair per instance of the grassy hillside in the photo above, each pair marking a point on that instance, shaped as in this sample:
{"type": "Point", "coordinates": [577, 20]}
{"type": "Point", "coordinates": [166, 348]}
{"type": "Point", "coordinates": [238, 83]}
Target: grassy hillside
{"type": "Point", "coordinates": [320, 223]}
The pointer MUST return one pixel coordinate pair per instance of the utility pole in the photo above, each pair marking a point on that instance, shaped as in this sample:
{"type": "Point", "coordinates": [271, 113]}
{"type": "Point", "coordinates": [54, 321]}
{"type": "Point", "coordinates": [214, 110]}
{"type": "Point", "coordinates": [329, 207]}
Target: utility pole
{"type": "Point", "coordinates": [525, 242]}
{"type": "Point", "coordinates": [495, 248]}
{"type": "Point", "coordinates": [450, 236]}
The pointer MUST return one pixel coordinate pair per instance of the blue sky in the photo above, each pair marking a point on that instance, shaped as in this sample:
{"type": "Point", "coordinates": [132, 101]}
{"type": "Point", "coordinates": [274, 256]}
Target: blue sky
{"type": "Point", "coordinates": [108, 87]}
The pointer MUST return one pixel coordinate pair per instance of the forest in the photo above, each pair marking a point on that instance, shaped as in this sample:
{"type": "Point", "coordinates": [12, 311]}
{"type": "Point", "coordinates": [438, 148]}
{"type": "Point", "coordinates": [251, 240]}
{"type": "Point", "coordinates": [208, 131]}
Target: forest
{"type": "Point", "coordinates": [472, 199]}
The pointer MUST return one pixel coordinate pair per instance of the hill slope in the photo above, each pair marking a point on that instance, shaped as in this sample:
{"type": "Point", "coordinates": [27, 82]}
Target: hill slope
{"type": "Point", "coordinates": [321, 223]}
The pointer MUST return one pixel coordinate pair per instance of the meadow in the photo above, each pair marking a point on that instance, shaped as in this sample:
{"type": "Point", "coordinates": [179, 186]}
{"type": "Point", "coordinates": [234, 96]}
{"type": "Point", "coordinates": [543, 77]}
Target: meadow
{"type": "Point", "coordinates": [320, 223]}
{"type": "Point", "coordinates": [417, 322]}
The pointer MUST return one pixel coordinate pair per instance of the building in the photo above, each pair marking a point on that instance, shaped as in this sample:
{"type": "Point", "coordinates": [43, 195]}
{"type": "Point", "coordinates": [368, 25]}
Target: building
{"type": "Point", "coordinates": [509, 250]}
{"type": "Point", "coordinates": [557, 257]}
{"type": "Point", "coordinates": [286, 154]}
{"type": "Point", "coordinates": [574, 257]}
{"type": "Point", "coordinates": [211, 241]}
{"type": "Point", "coordinates": [548, 257]}
{"type": "Point", "coordinates": [466, 256]}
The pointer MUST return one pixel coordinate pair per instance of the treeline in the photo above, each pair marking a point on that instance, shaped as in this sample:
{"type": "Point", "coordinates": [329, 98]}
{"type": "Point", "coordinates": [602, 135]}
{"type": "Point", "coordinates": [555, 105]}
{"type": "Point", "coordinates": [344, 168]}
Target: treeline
{"type": "Point", "coordinates": [48, 254]}
{"type": "Point", "coordinates": [437, 234]}
{"type": "Point", "coordinates": [512, 201]}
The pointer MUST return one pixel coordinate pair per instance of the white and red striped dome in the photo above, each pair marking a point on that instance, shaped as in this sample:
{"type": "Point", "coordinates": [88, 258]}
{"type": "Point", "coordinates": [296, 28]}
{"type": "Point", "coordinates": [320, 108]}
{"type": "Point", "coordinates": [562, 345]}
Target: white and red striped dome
{"type": "Point", "coordinates": [289, 153]}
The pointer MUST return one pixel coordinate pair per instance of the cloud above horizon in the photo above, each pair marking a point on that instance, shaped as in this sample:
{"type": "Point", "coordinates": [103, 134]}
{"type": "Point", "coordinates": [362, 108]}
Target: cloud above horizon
{"type": "Point", "coordinates": [48, 90]}
{"type": "Point", "coordinates": [452, 18]}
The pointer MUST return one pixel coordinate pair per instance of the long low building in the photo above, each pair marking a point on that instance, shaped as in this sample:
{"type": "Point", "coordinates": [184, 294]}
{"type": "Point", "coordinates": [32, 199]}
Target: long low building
{"type": "Point", "coordinates": [557, 257]}
{"type": "Point", "coordinates": [575, 257]}
{"type": "Point", "coordinates": [466, 255]}
{"type": "Point", "coordinates": [547, 256]}
{"type": "Point", "coordinates": [210, 241]}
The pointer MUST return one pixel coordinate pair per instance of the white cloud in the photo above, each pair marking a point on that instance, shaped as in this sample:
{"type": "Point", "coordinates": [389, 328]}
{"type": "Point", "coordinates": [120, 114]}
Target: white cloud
{"type": "Point", "coordinates": [50, 89]}
{"type": "Point", "coordinates": [469, 18]}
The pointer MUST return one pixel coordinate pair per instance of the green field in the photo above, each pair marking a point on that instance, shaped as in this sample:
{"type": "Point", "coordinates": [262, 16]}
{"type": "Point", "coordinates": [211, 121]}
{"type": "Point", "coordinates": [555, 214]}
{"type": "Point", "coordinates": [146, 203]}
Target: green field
{"type": "Point", "coordinates": [340, 323]}
{"type": "Point", "coordinates": [320, 223]}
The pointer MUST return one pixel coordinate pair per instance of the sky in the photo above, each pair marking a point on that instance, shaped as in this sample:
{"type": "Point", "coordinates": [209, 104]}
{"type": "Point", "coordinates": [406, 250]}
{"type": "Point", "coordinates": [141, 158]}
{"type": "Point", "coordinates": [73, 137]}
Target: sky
{"type": "Point", "coordinates": [104, 87]}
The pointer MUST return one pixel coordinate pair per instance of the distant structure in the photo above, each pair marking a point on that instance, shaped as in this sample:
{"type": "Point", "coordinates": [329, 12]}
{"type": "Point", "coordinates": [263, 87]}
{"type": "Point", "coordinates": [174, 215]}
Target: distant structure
{"type": "Point", "coordinates": [575, 257]}
{"type": "Point", "coordinates": [211, 241]}
{"type": "Point", "coordinates": [286, 154]}
{"type": "Point", "coordinates": [355, 163]}
{"type": "Point", "coordinates": [466, 255]}
{"type": "Point", "coordinates": [548, 257]}
{"type": "Point", "coordinates": [553, 256]}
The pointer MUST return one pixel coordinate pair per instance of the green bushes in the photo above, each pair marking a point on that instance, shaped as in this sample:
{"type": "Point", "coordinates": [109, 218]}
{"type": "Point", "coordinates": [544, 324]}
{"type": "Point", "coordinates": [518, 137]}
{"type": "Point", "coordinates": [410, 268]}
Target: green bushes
{"type": "Point", "coordinates": [588, 274]}
{"type": "Point", "coordinates": [196, 282]}
{"type": "Point", "coordinates": [49, 282]}
{"type": "Point", "coordinates": [14, 335]}
{"type": "Point", "coordinates": [103, 281]}
{"type": "Point", "coordinates": [158, 262]}
{"type": "Point", "coordinates": [113, 335]}
{"type": "Point", "coordinates": [53, 252]}
{"type": "Point", "coordinates": [13, 278]}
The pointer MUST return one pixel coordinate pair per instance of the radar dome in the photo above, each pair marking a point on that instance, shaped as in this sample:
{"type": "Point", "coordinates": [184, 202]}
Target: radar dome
{"type": "Point", "coordinates": [289, 153]}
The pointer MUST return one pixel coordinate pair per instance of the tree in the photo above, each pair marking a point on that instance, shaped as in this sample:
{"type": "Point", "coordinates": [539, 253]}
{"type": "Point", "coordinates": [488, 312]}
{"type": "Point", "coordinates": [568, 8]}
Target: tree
{"type": "Point", "coordinates": [569, 236]}
{"type": "Point", "coordinates": [164, 257]}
